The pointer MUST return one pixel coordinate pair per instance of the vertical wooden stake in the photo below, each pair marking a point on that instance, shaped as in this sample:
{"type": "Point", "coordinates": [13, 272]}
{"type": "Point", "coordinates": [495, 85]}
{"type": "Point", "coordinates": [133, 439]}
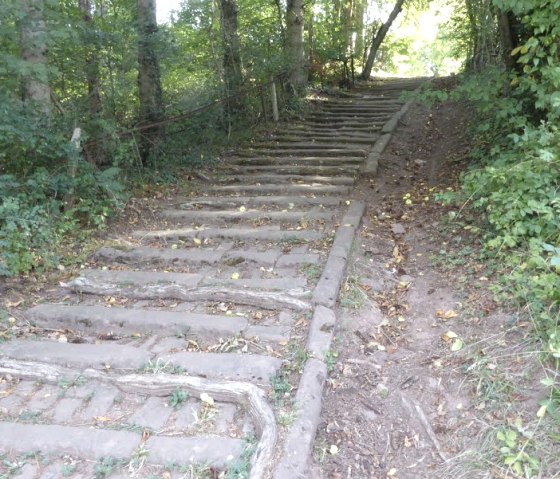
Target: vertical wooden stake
{"type": "Point", "coordinates": [73, 158]}
{"type": "Point", "coordinates": [275, 115]}
{"type": "Point", "coordinates": [263, 104]}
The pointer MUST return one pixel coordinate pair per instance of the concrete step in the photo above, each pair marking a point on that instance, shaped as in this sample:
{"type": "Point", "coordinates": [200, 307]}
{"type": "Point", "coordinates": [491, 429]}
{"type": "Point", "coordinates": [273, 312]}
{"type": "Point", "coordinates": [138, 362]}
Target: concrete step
{"type": "Point", "coordinates": [123, 321]}
{"type": "Point", "coordinates": [301, 160]}
{"type": "Point", "coordinates": [280, 202]}
{"type": "Point", "coordinates": [295, 189]}
{"type": "Point", "coordinates": [237, 216]}
{"type": "Point", "coordinates": [286, 178]}
{"type": "Point", "coordinates": [295, 169]}
{"type": "Point", "coordinates": [326, 151]}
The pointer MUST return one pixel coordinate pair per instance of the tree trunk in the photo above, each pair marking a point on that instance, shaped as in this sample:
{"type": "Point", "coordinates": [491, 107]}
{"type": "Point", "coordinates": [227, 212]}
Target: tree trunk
{"type": "Point", "coordinates": [33, 30]}
{"type": "Point", "coordinates": [149, 81]}
{"type": "Point", "coordinates": [294, 44]}
{"type": "Point", "coordinates": [95, 153]}
{"type": "Point", "coordinates": [379, 37]}
{"type": "Point", "coordinates": [233, 68]}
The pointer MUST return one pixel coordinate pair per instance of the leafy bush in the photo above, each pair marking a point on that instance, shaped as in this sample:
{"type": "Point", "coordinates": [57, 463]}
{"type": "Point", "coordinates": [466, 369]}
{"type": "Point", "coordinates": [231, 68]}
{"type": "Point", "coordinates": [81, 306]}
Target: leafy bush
{"type": "Point", "coordinates": [36, 215]}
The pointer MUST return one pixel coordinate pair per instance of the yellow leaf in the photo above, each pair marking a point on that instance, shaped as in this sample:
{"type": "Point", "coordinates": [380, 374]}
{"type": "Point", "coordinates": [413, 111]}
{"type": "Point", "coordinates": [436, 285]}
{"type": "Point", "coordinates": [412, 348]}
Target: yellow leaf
{"type": "Point", "coordinates": [449, 336]}
{"type": "Point", "coordinates": [445, 315]}
{"type": "Point", "coordinates": [101, 418]}
{"type": "Point", "coordinates": [333, 450]}
{"type": "Point", "coordinates": [515, 51]}
{"type": "Point", "coordinates": [541, 412]}
{"type": "Point", "coordinates": [242, 209]}
{"type": "Point", "coordinates": [235, 276]}
{"type": "Point", "coordinates": [457, 345]}
{"type": "Point", "coordinates": [524, 50]}
{"type": "Point", "coordinates": [197, 241]}
{"type": "Point", "coordinates": [173, 246]}
{"type": "Point", "coordinates": [206, 398]}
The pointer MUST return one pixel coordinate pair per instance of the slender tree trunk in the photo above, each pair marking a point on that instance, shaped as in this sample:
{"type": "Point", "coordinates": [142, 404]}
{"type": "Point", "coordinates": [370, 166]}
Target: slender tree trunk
{"type": "Point", "coordinates": [233, 68]}
{"type": "Point", "coordinates": [149, 81]}
{"type": "Point", "coordinates": [34, 48]}
{"type": "Point", "coordinates": [379, 37]}
{"type": "Point", "coordinates": [359, 47]}
{"type": "Point", "coordinates": [507, 41]}
{"type": "Point", "coordinates": [95, 154]}
{"type": "Point", "coordinates": [294, 44]}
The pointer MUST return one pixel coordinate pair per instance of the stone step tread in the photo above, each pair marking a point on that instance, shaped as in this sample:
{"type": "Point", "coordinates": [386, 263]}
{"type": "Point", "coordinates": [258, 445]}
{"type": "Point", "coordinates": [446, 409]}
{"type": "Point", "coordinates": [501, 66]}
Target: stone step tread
{"type": "Point", "coordinates": [306, 188]}
{"type": "Point", "coordinates": [249, 201]}
{"type": "Point", "coordinates": [92, 444]}
{"type": "Point", "coordinates": [279, 178]}
{"type": "Point", "coordinates": [274, 144]}
{"type": "Point", "coordinates": [153, 286]}
{"type": "Point", "coordinates": [146, 255]}
{"type": "Point", "coordinates": [124, 321]}
{"type": "Point", "coordinates": [256, 234]}
{"type": "Point", "coordinates": [247, 214]}
{"type": "Point", "coordinates": [296, 160]}
{"type": "Point", "coordinates": [231, 366]}
{"type": "Point", "coordinates": [329, 150]}
{"type": "Point", "coordinates": [294, 169]}
{"type": "Point", "coordinates": [187, 280]}
{"type": "Point", "coordinates": [80, 356]}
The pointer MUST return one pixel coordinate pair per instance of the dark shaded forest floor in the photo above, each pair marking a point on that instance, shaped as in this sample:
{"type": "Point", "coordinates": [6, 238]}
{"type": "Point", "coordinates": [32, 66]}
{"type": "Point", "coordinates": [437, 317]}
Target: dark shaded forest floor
{"type": "Point", "coordinates": [429, 374]}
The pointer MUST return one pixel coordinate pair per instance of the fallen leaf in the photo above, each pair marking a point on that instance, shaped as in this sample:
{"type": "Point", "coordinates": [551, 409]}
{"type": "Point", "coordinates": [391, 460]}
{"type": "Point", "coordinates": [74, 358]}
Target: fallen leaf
{"type": "Point", "coordinates": [445, 315]}
{"type": "Point", "coordinates": [457, 345]}
{"type": "Point", "coordinates": [542, 411]}
{"type": "Point", "coordinates": [101, 418]}
{"type": "Point", "coordinates": [392, 472]}
{"type": "Point", "coordinates": [333, 450]}
{"type": "Point", "coordinates": [449, 336]}
{"type": "Point", "coordinates": [206, 398]}
{"type": "Point", "coordinates": [197, 241]}
{"type": "Point", "coordinates": [173, 246]}
{"type": "Point", "coordinates": [242, 209]}
{"type": "Point", "coordinates": [235, 276]}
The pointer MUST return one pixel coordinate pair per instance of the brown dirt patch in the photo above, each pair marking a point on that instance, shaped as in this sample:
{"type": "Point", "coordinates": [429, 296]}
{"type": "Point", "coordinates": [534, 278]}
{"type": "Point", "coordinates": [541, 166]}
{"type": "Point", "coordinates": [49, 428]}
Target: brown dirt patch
{"type": "Point", "coordinates": [398, 403]}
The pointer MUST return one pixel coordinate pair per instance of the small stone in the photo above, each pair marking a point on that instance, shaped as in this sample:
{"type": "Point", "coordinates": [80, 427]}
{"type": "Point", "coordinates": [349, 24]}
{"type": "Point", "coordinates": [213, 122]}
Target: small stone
{"type": "Point", "coordinates": [398, 229]}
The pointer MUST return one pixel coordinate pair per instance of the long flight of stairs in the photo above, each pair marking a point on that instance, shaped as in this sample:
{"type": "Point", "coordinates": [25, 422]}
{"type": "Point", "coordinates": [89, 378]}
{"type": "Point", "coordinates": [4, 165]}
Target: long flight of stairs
{"type": "Point", "coordinates": [199, 346]}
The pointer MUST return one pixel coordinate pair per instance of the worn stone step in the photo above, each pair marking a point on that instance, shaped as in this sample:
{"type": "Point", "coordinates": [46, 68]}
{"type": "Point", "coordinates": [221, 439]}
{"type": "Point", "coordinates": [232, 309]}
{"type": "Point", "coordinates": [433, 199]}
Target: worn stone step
{"type": "Point", "coordinates": [300, 145]}
{"type": "Point", "coordinates": [124, 321]}
{"type": "Point", "coordinates": [79, 356]}
{"type": "Point", "coordinates": [335, 118]}
{"type": "Point", "coordinates": [343, 123]}
{"type": "Point", "coordinates": [325, 138]}
{"type": "Point", "coordinates": [92, 444]}
{"type": "Point", "coordinates": [327, 151]}
{"type": "Point", "coordinates": [233, 366]}
{"type": "Point", "coordinates": [151, 285]}
{"type": "Point", "coordinates": [269, 233]}
{"type": "Point", "coordinates": [303, 160]}
{"type": "Point", "coordinates": [378, 108]}
{"type": "Point", "coordinates": [247, 215]}
{"type": "Point", "coordinates": [287, 178]}
{"type": "Point", "coordinates": [281, 202]}
{"type": "Point", "coordinates": [295, 189]}
{"type": "Point", "coordinates": [155, 256]}
{"type": "Point", "coordinates": [296, 169]}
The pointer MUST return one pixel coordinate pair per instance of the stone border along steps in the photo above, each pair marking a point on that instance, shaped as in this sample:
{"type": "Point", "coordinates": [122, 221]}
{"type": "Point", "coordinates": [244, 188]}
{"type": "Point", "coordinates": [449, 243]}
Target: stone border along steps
{"type": "Point", "coordinates": [168, 351]}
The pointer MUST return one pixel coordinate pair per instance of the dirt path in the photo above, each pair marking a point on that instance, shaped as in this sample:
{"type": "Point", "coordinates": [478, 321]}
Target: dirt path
{"type": "Point", "coordinates": [195, 343]}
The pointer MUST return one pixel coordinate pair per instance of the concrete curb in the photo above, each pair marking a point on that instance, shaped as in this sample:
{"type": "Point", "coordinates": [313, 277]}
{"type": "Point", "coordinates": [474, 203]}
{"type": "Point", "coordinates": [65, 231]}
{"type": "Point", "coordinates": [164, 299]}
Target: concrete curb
{"type": "Point", "coordinates": [301, 436]}
{"type": "Point", "coordinates": [326, 291]}
{"type": "Point", "coordinates": [372, 162]}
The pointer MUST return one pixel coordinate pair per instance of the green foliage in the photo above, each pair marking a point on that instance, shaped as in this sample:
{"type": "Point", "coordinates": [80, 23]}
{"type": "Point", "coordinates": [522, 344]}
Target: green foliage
{"type": "Point", "coordinates": [178, 398]}
{"type": "Point", "coordinates": [35, 215]}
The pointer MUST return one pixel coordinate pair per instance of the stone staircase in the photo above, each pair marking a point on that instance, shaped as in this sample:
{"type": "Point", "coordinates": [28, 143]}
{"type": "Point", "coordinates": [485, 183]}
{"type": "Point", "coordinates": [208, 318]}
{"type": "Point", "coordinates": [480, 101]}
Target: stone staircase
{"type": "Point", "coordinates": [200, 347]}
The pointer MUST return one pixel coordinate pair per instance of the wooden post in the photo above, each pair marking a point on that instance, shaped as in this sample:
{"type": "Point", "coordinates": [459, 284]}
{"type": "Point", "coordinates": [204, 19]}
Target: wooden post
{"type": "Point", "coordinates": [263, 103]}
{"type": "Point", "coordinates": [73, 158]}
{"type": "Point", "coordinates": [275, 115]}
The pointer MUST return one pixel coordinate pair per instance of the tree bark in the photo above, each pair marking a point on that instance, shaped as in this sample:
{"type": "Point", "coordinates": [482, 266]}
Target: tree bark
{"type": "Point", "coordinates": [149, 81]}
{"type": "Point", "coordinates": [34, 49]}
{"type": "Point", "coordinates": [233, 68]}
{"type": "Point", "coordinates": [379, 37]}
{"type": "Point", "coordinates": [295, 50]}
{"type": "Point", "coordinates": [95, 153]}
